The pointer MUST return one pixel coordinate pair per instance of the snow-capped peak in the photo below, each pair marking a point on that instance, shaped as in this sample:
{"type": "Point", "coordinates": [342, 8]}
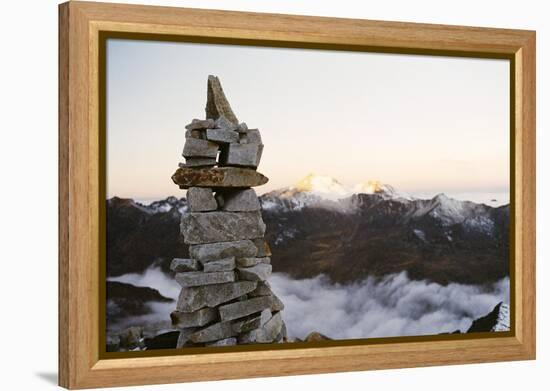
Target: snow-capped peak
{"type": "Point", "coordinates": [323, 186]}
{"type": "Point", "coordinates": [381, 189]}
{"type": "Point", "coordinates": [321, 190]}
{"type": "Point", "coordinates": [369, 187]}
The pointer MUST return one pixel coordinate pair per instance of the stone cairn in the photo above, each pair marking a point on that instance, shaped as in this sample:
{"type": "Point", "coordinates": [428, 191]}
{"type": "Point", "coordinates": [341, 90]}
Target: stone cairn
{"type": "Point", "coordinates": [225, 297]}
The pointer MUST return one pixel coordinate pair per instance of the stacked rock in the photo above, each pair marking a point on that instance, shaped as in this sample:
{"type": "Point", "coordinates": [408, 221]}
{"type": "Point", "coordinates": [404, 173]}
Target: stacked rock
{"type": "Point", "coordinates": [225, 297]}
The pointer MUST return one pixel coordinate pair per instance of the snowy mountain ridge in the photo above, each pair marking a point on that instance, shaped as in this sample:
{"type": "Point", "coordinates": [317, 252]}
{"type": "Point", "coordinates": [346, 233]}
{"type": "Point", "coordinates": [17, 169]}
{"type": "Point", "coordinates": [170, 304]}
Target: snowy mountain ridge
{"type": "Point", "coordinates": [327, 192]}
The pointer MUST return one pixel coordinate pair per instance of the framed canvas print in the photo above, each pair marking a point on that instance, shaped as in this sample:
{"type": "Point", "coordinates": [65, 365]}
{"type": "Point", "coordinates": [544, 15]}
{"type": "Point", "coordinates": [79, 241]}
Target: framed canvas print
{"type": "Point", "coordinates": [247, 195]}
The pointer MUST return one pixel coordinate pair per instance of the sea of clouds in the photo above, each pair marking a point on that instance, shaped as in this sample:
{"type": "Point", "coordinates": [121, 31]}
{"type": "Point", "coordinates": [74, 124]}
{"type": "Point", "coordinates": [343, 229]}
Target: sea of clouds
{"type": "Point", "coordinates": [393, 305]}
{"type": "Point", "coordinates": [383, 307]}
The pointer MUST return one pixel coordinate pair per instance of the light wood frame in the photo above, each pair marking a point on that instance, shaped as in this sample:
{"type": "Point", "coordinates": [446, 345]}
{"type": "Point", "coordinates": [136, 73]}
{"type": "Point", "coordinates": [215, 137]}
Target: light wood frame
{"type": "Point", "coordinates": [80, 166]}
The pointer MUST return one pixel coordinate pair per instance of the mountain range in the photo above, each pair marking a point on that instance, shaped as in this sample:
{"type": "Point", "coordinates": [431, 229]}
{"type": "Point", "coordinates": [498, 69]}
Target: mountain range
{"type": "Point", "coordinates": [320, 226]}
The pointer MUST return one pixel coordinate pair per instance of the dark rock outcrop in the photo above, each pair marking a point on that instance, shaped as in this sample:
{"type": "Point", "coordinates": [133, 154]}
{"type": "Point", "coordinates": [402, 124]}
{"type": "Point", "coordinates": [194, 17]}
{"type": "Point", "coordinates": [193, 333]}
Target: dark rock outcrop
{"type": "Point", "coordinates": [486, 323]}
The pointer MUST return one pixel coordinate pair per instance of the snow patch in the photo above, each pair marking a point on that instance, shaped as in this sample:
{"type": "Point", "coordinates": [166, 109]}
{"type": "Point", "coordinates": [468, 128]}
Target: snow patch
{"type": "Point", "coordinates": [503, 319]}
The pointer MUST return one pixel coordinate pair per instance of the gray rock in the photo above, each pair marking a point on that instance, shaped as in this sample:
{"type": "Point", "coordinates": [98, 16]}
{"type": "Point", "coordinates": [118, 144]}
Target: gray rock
{"type": "Point", "coordinates": [316, 336]}
{"type": "Point", "coordinates": [195, 134]}
{"type": "Point", "coordinates": [276, 304]}
{"type": "Point", "coordinates": [213, 251]}
{"type": "Point", "coordinates": [225, 124]}
{"type": "Point", "coordinates": [180, 265]}
{"type": "Point", "coordinates": [217, 331]}
{"type": "Point", "coordinates": [241, 155]}
{"type": "Point", "coordinates": [263, 247]}
{"type": "Point", "coordinates": [222, 136]}
{"type": "Point", "coordinates": [212, 227]}
{"type": "Point", "coordinates": [252, 136]}
{"type": "Point", "coordinates": [243, 308]}
{"type": "Point", "coordinates": [200, 124]}
{"type": "Point", "coordinates": [183, 338]}
{"type": "Point", "coordinates": [201, 199]}
{"type": "Point", "coordinates": [193, 319]}
{"type": "Point", "coordinates": [192, 299]}
{"type": "Point", "coordinates": [198, 162]}
{"type": "Point", "coordinates": [113, 343]}
{"type": "Point", "coordinates": [131, 338]}
{"type": "Point", "coordinates": [191, 279]}
{"type": "Point", "coordinates": [266, 334]}
{"type": "Point", "coordinates": [264, 289]}
{"type": "Point", "coordinates": [259, 272]}
{"type": "Point", "coordinates": [223, 342]}
{"type": "Point", "coordinates": [252, 261]}
{"type": "Point", "coordinates": [216, 103]}
{"type": "Point", "coordinates": [242, 128]}
{"type": "Point", "coordinates": [240, 201]}
{"type": "Point", "coordinates": [220, 265]}
{"type": "Point", "coordinates": [199, 148]}
{"type": "Point", "coordinates": [252, 322]}
{"type": "Point", "coordinates": [218, 177]}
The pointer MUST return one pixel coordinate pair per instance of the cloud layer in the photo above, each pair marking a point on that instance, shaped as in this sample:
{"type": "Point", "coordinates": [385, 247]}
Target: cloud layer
{"type": "Point", "coordinates": [390, 306]}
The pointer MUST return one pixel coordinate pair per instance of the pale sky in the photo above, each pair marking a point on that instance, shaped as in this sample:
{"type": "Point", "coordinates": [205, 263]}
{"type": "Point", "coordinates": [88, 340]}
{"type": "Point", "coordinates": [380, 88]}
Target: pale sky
{"type": "Point", "coordinates": [422, 124]}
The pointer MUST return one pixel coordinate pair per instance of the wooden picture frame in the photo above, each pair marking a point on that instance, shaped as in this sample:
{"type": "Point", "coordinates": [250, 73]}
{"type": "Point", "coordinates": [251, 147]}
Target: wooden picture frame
{"type": "Point", "coordinates": [82, 28]}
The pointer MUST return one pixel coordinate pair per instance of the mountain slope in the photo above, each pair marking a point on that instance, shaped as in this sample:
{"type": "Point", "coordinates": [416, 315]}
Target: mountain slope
{"type": "Point", "coordinates": [139, 236]}
{"type": "Point", "coordinates": [496, 320]}
{"type": "Point", "coordinates": [347, 238]}
{"type": "Point", "coordinates": [382, 231]}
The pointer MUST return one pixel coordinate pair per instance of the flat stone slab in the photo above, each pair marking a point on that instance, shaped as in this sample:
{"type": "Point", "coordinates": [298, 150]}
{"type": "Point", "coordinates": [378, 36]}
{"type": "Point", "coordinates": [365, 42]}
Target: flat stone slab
{"type": "Point", "coordinates": [242, 155]}
{"type": "Point", "coordinates": [180, 265]}
{"type": "Point", "coordinates": [218, 177]}
{"type": "Point", "coordinates": [220, 265]}
{"type": "Point", "coordinates": [222, 136]}
{"type": "Point", "coordinates": [200, 124]}
{"type": "Point", "coordinates": [240, 201]}
{"type": "Point", "coordinates": [193, 319]}
{"type": "Point", "coordinates": [198, 162]}
{"type": "Point", "coordinates": [243, 308]}
{"type": "Point", "coordinates": [214, 251]}
{"type": "Point", "coordinates": [251, 136]}
{"type": "Point", "coordinates": [259, 272]}
{"type": "Point", "coordinates": [183, 338]}
{"type": "Point", "coordinates": [217, 331]}
{"type": "Point", "coordinates": [195, 147]}
{"type": "Point", "coordinates": [264, 289]}
{"type": "Point", "coordinates": [212, 227]}
{"type": "Point", "coordinates": [252, 322]}
{"type": "Point", "coordinates": [195, 134]}
{"type": "Point", "coordinates": [194, 298]}
{"type": "Point", "coordinates": [252, 261]}
{"type": "Point", "coordinates": [266, 334]}
{"type": "Point", "coordinates": [223, 123]}
{"type": "Point", "coordinates": [223, 342]}
{"type": "Point", "coordinates": [276, 303]}
{"type": "Point", "coordinates": [201, 199]}
{"type": "Point", "coordinates": [191, 279]}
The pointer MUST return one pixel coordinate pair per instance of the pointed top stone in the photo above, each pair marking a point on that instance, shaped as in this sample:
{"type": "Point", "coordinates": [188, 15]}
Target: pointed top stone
{"type": "Point", "coordinates": [216, 102]}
